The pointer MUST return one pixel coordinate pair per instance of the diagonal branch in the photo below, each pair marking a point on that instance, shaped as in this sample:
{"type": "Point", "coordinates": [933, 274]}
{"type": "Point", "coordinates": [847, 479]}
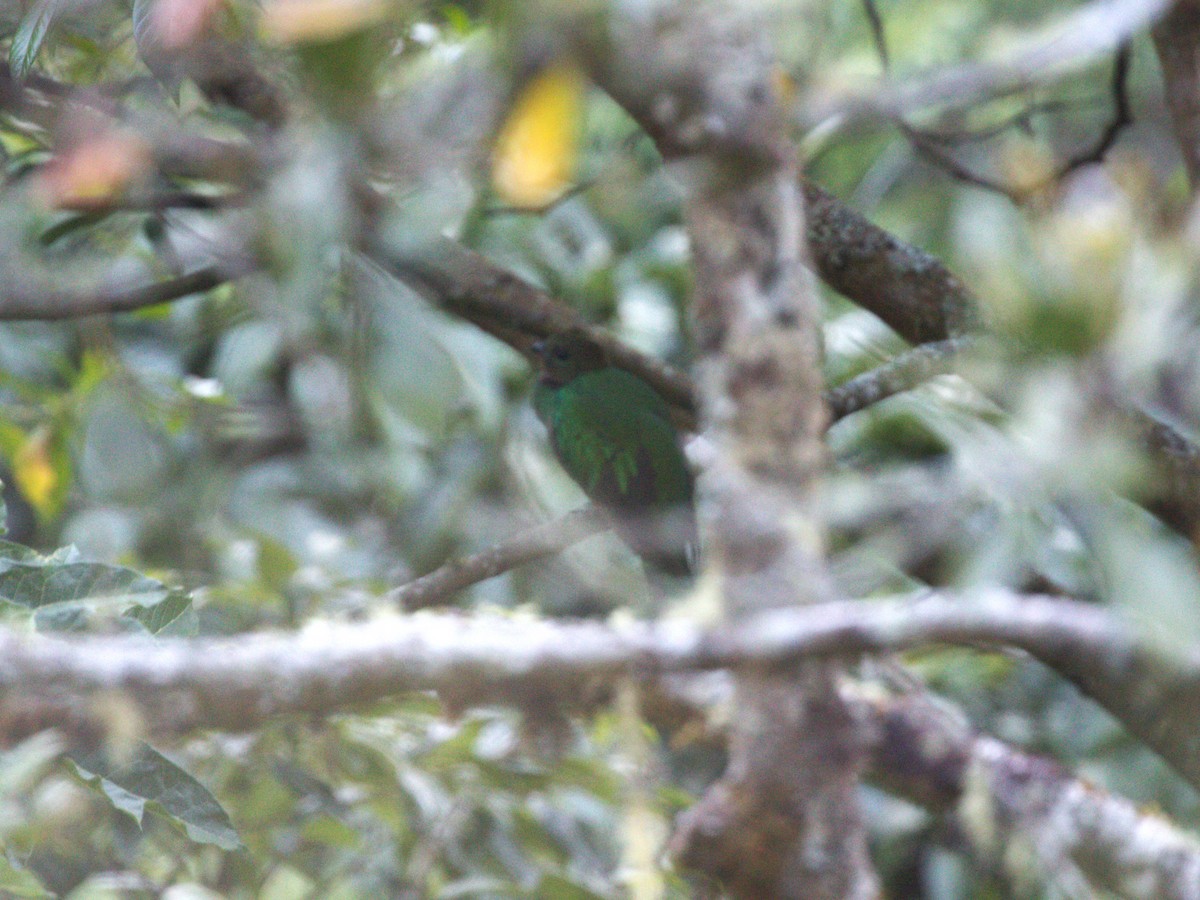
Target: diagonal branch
{"type": "Point", "coordinates": [1005, 798]}
{"type": "Point", "coordinates": [895, 376]}
{"type": "Point", "coordinates": [908, 288]}
{"type": "Point", "coordinates": [543, 540]}
{"type": "Point", "coordinates": [991, 794]}
{"type": "Point", "coordinates": [23, 300]}
{"type": "Point", "coordinates": [472, 287]}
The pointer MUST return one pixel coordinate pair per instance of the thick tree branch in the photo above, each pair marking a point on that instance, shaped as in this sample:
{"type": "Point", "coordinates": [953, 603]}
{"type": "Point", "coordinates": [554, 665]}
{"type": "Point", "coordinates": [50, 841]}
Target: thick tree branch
{"type": "Point", "coordinates": [919, 297]}
{"type": "Point", "coordinates": [908, 288]}
{"type": "Point", "coordinates": [236, 683]}
{"type": "Point", "coordinates": [1004, 798]}
{"type": "Point", "coordinates": [917, 750]}
{"type": "Point", "coordinates": [992, 795]}
{"type": "Point", "coordinates": [784, 819]}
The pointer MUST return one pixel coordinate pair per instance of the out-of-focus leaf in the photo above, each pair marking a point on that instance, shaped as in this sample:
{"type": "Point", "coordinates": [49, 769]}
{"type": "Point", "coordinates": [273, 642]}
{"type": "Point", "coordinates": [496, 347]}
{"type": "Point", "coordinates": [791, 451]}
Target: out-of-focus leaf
{"type": "Point", "coordinates": [142, 22]}
{"type": "Point", "coordinates": [123, 456]}
{"type": "Point", "coordinates": [171, 25]}
{"type": "Point", "coordinates": [415, 383]}
{"type": "Point", "coordinates": [19, 882]}
{"type": "Point", "coordinates": [339, 43]}
{"type": "Point", "coordinates": [150, 780]}
{"type": "Point", "coordinates": [41, 466]}
{"type": "Point", "coordinates": [308, 21]}
{"type": "Point", "coordinates": [174, 616]}
{"type": "Point", "coordinates": [64, 593]}
{"type": "Point", "coordinates": [89, 174]}
{"type": "Point", "coordinates": [39, 469]}
{"type": "Point", "coordinates": [537, 149]}
{"type": "Point", "coordinates": [42, 583]}
{"type": "Point", "coordinates": [30, 35]}
{"type": "Point", "coordinates": [72, 223]}
{"type": "Point", "coordinates": [245, 355]}
{"type": "Point", "coordinates": [330, 831]}
{"type": "Point", "coordinates": [563, 889]}
{"type": "Point", "coordinates": [481, 886]}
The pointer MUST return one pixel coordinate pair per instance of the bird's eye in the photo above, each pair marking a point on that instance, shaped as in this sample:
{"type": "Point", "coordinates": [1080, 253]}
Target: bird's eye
{"type": "Point", "coordinates": [561, 354]}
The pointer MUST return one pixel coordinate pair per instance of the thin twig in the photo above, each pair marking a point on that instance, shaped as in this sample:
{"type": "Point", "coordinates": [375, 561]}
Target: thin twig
{"type": "Point", "coordinates": [538, 542]}
{"type": "Point", "coordinates": [1121, 119]}
{"type": "Point", "coordinates": [25, 302]}
{"type": "Point", "coordinates": [905, 372]}
{"type": "Point", "coordinates": [928, 144]}
{"type": "Point", "coordinates": [1063, 46]}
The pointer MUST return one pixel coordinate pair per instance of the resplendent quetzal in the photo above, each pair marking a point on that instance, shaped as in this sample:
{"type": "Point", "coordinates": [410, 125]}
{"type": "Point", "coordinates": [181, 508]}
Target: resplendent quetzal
{"type": "Point", "coordinates": [613, 434]}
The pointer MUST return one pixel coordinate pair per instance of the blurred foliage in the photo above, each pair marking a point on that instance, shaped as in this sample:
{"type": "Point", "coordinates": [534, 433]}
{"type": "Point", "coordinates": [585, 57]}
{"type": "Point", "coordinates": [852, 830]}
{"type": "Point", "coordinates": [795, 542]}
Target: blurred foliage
{"type": "Point", "coordinates": [289, 446]}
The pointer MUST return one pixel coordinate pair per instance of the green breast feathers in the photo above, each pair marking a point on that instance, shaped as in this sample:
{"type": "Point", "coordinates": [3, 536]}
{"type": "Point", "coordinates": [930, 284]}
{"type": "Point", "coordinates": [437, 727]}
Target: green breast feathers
{"type": "Point", "coordinates": [612, 433]}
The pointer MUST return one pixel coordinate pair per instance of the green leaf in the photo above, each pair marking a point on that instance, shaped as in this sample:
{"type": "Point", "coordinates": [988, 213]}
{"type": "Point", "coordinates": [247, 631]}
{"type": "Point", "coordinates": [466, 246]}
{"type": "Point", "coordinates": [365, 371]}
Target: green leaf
{"type": "Point", "coordinates": [10, 552]}
{"type": "Point", "coordinates": [32, 585]}
{"type": "Point", "coordinates": [151, 781]}
{"type": "Point", "coordinates": [64, 593]}
{"type": "Point", "coordinates": [30, 35]}
{"type": "Point", "coordinates": [141, 21]}
{"type": "Point", "coordinates": [557, 886]}
{"type": "Point", "coordinates": [173, 616]}
{"type": "Point", "coordinates": [70, 224]}
{"type": "Point", "coordinates": [62, 618]}
{"type": "Point", "coordinates": [17, 881]}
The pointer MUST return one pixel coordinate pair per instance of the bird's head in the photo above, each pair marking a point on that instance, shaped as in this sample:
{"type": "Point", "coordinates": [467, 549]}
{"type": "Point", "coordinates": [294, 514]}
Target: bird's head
{"type": "Point", "coordinates": [567, 355]}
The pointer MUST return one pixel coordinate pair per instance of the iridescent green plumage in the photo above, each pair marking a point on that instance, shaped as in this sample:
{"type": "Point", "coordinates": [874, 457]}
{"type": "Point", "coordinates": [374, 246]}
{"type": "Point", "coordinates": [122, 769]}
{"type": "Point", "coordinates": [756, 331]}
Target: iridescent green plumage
{"type": "Point", "coordinates": [612, 432]}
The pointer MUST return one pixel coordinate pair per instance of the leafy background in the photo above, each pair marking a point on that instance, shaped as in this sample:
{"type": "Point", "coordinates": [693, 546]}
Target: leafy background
{"type": "Point", "coordinates": [287, 447]}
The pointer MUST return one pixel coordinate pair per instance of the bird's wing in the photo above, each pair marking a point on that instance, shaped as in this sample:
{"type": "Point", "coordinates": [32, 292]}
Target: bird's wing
{"type": "Point", "coordinates": [613, 434]}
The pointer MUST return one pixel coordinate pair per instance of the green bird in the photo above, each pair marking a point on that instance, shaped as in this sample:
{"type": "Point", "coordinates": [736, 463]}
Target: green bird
{"type": "Point", "coordinates": [613, 434]}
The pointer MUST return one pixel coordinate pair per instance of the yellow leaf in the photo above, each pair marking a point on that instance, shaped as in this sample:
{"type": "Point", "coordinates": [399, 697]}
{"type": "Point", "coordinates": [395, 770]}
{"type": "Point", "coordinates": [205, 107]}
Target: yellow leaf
{"type": "Point", "coordinates": [304, 21]}
{"type": "Point", "coordinates": [784, 85]}
{"type": "Point", "coordinates": [538, 146]}
{"type": "Point", "coordinates": [35, 473]}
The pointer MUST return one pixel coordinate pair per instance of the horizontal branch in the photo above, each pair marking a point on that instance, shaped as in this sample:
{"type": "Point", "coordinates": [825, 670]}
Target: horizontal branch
{"type": "Point", "coordinates": [920, 753]}
{"type": "Point", "coordinates": [234, 683]}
